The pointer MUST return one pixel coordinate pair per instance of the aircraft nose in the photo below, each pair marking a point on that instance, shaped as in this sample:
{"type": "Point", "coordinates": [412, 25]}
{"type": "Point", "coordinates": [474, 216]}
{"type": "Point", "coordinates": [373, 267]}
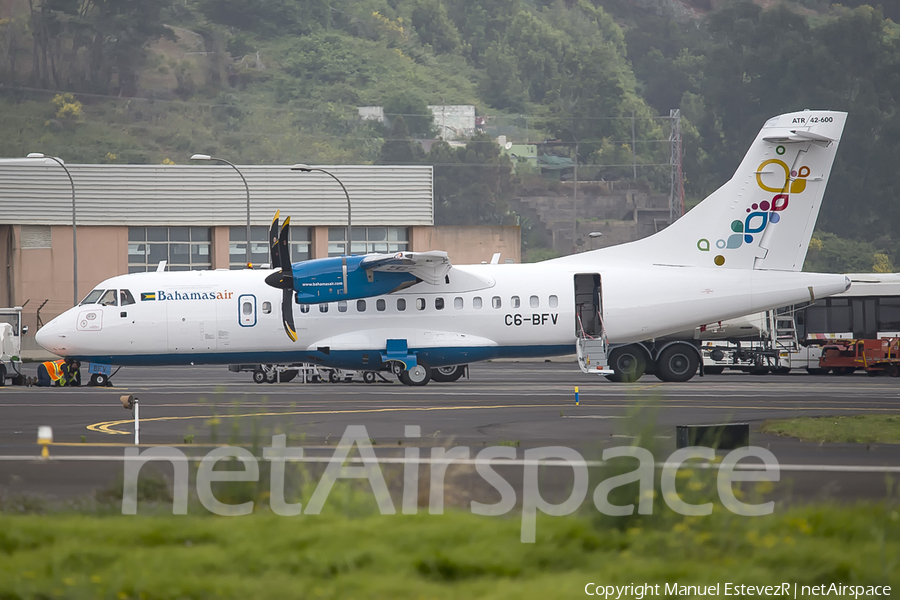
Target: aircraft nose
{"type": "Point", "coordinates": [48, 336]}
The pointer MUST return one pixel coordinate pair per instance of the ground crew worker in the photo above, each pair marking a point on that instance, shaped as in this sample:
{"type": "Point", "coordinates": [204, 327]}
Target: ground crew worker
{"type": "Point", "coordinates": [59, 372]}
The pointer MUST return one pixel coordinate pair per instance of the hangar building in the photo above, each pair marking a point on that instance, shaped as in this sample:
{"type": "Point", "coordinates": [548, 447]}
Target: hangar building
{"type": "Point", "coordinates": [130, 217]}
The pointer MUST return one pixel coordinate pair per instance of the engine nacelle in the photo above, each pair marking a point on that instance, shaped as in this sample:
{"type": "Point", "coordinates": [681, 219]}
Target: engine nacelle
{"type": "Point", "coordinates": [341, 278]}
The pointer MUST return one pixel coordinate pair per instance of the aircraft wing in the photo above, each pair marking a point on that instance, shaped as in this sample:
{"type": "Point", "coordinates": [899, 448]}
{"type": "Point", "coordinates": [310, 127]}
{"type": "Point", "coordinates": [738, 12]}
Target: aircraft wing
{"type": "Point", "coordinates": [431, 267]}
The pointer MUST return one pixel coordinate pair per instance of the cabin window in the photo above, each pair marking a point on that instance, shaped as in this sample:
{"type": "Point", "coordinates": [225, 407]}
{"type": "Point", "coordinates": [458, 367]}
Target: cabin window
{"type": "Point", "coordinates": [439, 303]}
{"type": "Point", "coordinates": [247, 308]}
{"type": "Point", "coordinates": [401, 304]}
{"type": "Point", "coordinates": [420, 303]}
{"type": "Point", "coordinates": [476, 302]}
{"type": "Point", "coordinates": [92, 297]}
{"type": "Point", "coordinates": [534, 301]}
{"type": "Point", "coordinates": [304, 308]}
{"type": "Point", "coordinates": [125, 298]}
{"type": "Point", "coordinates": [267, 308]}
{"type": "Point", "coordinates": [342, 306]}
{"type": "Point", "coordinates": [323, 308]}
{"type": "Point", "coordinates": [554, 301]}
{"type": "Point", "coordinates": [109, 299]}
{"type": "Point", "coordinates": [360, 306]}
{"type": "Point", "coordinates": [495, 302]}
{"type": "Point", "coordinates": [515, 302]}
{"type": "Point", "coordinates": [458, 303]}
{"type": "Point", "coordinates": [380, 305]}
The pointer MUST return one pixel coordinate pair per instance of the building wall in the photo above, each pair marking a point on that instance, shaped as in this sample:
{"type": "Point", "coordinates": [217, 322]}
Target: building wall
{"type": "Point", "coordinates": [46, 274]}
{"type": "Point", "coordinates": [469, 245]}
{"type": "Point", "coordinates": [35, 193]}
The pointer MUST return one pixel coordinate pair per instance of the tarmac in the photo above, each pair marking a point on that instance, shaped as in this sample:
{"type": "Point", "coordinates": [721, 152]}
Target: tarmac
{"type": "Point", "coordinates": [520, 405]}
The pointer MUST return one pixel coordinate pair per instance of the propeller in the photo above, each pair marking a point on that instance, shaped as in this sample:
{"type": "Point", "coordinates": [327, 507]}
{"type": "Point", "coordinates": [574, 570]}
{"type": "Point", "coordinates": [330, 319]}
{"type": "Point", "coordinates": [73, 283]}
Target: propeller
{"type": "Point", "coordinates": [273, 242]}
{"type": "Point", "coordinates": [283, 278]}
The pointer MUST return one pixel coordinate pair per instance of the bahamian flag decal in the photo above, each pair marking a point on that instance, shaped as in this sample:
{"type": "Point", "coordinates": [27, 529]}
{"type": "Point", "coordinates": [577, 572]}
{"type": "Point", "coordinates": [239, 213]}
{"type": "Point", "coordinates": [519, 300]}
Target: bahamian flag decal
{"type": "Point", "coordinates": [148, 296]}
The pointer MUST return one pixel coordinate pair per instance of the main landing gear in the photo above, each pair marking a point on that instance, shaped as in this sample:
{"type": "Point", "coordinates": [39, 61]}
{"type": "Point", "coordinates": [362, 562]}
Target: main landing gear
{"type": "Point", "coordinates": [420, 375]}
{"type": "Point", "coordinates": [675, 362]}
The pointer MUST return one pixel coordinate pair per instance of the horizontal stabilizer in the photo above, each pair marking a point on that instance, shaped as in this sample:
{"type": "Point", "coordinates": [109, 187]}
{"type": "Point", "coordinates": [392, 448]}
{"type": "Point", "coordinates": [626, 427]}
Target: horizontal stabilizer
{"type": "Point", "coordinates": [431, 267]}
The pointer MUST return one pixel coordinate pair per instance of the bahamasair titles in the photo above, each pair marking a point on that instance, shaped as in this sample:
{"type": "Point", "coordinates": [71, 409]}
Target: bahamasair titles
{"type": "Point", "coordinates": [738, 252]}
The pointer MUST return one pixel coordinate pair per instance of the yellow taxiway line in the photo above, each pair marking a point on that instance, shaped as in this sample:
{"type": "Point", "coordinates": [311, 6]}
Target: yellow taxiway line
{"type": "Point", "coordinates": [105, 426]}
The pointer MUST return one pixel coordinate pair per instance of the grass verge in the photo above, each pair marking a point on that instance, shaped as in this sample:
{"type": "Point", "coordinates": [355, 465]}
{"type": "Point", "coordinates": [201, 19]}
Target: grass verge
{"type": "Point", "coordinates": [455, 555]}
{"type": "Point", "coordinates": [863, 429]}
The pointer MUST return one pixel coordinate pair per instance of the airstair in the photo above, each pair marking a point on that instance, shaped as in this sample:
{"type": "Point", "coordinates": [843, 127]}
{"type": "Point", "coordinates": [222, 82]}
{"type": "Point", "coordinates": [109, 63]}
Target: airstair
{"type": "Point", "coordinates": [593, 352]}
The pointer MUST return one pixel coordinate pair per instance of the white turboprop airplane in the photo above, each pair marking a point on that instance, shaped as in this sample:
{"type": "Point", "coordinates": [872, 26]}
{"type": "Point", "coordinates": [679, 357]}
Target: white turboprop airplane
{"type": "Point", "coordinates": [739, 251]}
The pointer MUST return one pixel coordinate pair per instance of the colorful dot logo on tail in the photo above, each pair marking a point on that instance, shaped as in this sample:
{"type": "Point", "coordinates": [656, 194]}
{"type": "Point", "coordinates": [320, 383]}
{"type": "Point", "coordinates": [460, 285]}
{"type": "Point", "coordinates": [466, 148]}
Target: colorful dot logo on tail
{"type": "Point", "coordinates": [761, 214]}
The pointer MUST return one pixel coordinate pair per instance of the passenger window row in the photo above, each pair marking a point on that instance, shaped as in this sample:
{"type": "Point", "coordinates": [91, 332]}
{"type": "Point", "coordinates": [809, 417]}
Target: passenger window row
{"type": "Point", "coordinates": [439, 304]}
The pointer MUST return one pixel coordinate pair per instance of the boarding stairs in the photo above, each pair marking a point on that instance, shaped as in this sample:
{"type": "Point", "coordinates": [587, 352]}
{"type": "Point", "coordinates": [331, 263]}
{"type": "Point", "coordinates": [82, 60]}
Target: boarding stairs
{"type": "Point", "coordinates": [593, 351]}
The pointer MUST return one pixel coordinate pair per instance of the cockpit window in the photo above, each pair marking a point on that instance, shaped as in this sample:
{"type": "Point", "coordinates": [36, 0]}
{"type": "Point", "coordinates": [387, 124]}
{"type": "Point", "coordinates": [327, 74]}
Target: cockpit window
{"type": "Point", "coordinates": [92, 297]}
{"type": "Point", "coordinates": [109, 298]}
{"type": "Point", "coordinates": [125, 298]}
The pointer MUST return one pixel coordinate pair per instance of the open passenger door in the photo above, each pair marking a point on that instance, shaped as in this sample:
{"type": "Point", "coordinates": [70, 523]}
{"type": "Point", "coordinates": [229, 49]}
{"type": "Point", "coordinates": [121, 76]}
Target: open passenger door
{"type": "Point", "coordinates": [591, 342]}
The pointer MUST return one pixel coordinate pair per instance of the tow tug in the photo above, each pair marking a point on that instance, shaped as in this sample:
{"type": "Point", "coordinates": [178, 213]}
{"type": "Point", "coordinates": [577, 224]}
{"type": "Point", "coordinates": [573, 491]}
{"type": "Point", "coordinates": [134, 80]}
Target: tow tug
{"type": "Point", "coordinates": [876, 357]}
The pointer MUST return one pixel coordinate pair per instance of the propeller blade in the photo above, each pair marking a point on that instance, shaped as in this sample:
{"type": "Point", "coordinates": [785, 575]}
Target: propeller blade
{"type": "Point", "coordinates": [287, 313]}
{"type": "Point", "coordinates": [273, 242]}
{"type": "Point", "coordinates": [284, 247]}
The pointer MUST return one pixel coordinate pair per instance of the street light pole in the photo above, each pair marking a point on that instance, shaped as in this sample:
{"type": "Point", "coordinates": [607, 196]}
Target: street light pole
{"type": "Point", "coordinates": [306, 169]}
{"type": "Point", "coordinates": [246, 188]}
{"type": "Point", "coordinates": [74, 231]}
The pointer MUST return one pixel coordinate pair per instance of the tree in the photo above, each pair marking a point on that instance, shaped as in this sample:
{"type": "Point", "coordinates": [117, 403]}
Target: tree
{"type": "Point", "coordinates": [397, 148]}
{"type": "Point", "coordinates": [413, 110]}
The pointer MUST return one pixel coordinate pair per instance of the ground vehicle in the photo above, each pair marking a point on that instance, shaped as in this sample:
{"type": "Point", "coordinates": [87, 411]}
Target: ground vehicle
{"type": "Point", "coordinates": [11, 333]}
{"type": "Point", "coordinates": [314, 374]}
{"type": "Point", "coordinates": [869, 310]}
{"type": "Point", "coordinates": [876, 357]}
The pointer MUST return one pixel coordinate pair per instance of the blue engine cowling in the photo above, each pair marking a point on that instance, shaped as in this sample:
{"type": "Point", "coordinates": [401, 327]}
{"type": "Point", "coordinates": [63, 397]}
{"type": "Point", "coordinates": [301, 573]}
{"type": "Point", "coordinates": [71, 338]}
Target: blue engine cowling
{"type": "Point", "coordinates": [341, 278]}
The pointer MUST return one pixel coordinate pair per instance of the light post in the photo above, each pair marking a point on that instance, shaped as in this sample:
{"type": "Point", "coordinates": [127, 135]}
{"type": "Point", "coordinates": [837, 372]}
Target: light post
{"type": "Point", "coordinates": [74, 231]}
{"type": "Point", "coordinates": [594, 235]}
{"type": "Point", "coordinates": [246, 187]}
{"type": "Point", "coordinates": [306, 169]}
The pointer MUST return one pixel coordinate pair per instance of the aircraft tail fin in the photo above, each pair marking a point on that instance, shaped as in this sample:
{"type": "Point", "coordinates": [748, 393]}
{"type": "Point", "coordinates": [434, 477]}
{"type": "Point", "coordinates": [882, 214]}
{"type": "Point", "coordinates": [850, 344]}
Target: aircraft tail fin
{"type": "Point", "coordinates": [764, 216]}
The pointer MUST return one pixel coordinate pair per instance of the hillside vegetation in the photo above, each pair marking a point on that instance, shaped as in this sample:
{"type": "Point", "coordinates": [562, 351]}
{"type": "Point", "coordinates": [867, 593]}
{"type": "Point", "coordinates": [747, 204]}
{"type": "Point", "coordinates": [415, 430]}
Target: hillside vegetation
{"type": "Point", "coordinates": [279, 81]}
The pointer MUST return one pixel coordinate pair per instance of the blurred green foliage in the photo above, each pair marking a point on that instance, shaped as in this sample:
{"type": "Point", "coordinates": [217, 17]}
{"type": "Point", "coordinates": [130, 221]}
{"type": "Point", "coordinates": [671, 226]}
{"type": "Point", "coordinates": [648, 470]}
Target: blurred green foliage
{"type": "Point", "coordinates": [280, 82]}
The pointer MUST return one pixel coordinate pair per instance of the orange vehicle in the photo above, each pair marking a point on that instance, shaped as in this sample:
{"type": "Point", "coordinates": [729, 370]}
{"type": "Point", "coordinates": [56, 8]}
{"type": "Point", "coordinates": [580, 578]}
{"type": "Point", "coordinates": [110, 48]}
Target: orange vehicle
{"type": "Point", "coordinates": [876, 357]}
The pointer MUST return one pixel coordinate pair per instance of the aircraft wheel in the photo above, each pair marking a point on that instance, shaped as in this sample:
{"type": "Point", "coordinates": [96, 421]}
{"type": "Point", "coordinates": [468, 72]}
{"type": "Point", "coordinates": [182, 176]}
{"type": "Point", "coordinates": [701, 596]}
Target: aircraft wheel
{"type": "Point", "coordinates": [99, 380]}
{"type": "Point", "coordinates": [259, 376]}
{"type": "Point", "coordinates": [817, 371]}
{"type": "Point", "coordinates": [397, 368]}
{"type": "Point", "coordinates": [448, 374]}
{"type": "Point", "coordinates": [628, 363]}
{"type": "Point", "coordinates": [287, 376]}
{"type": "Point", "coordinates": [417, 376]}
{"type": "Point", "coordinates": [333, 376]}
{"type": "Point", "coordinates": [677, 363]}
{"type": "Point", "coordinates": [369, 376]}
{"type": "Point", "coordinates": [271, 376]}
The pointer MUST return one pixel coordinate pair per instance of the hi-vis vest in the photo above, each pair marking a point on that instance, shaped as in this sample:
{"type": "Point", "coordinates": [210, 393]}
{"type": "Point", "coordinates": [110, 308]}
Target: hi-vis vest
{"type": "Point", "coordinates": [54, 369]}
